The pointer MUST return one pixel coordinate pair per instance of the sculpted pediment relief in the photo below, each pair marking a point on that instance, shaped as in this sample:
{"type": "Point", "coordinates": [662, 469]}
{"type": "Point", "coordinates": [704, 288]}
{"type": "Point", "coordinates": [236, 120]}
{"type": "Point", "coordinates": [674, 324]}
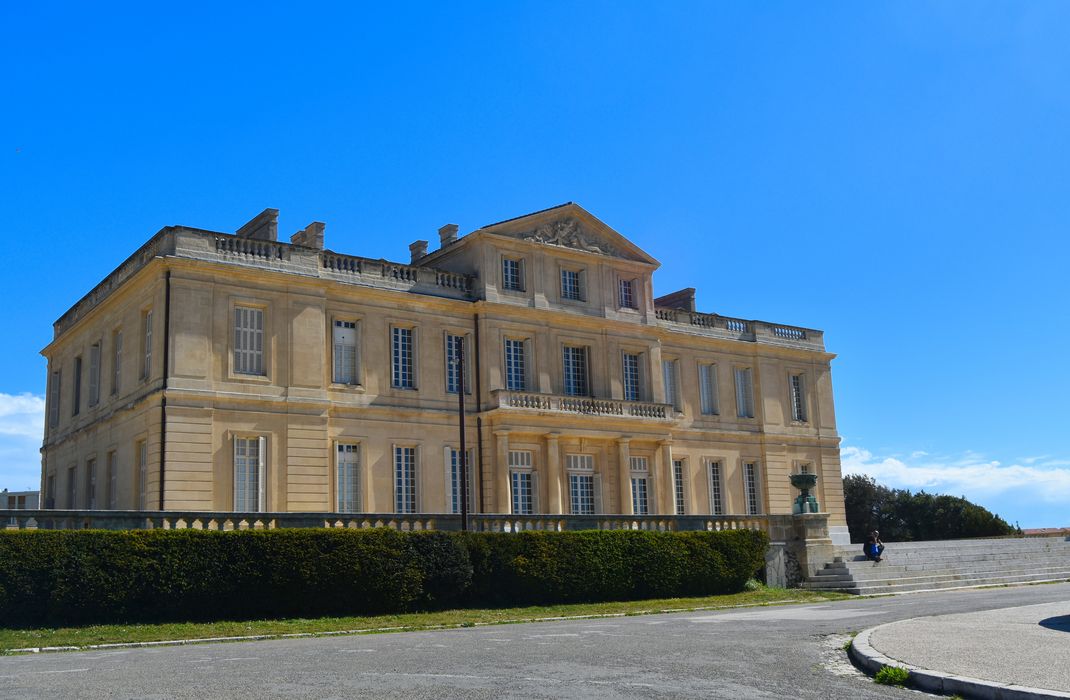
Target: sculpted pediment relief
{"type": "Point", "coordinates": [570, 233]}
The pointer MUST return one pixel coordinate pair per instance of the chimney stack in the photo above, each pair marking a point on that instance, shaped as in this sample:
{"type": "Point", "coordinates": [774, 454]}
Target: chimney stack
{"type": "Point", "coordinates": [311, 236]}
{"type": "Point", "coordinates": [447, 235]}
{"type": "Point", "coordinates": [262, 227]}
{"type": "Point", "coordinates": [418, 249]}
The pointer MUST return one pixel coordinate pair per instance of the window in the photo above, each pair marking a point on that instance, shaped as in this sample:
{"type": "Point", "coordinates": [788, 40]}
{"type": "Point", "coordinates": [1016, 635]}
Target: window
{"type": "Point", "coordinates": [146, 344]}
{"type": "Point", "coordinates": [626, 294]}
{"type": "Point", "coordinates": [522, 482]}
{"type": "Point", "coordinates": [707, 387]}
{"type": "Point", "coordinates": [513, 274]}
{"type": "Point", "coordinates": [453, 480]}
{"type": "Point", "coordinates": [583, 490]}
{"type": "Point", "coordinates": [640, 486]}
{"type": "Point", "coordinates": [77, 386]}
{"type": "Point", "coordinates": [72, 476]}
{"type": "Point", "coordinates": [345, 352]}
{"type": "Point", "coordinates": [404, 479]}
{"type": "Point", "coordinates": [249, 456]}
{"type": "Point", "coordinates": [50, 492]}
{"type": "Point", "coordinates": [575, 364]}
{"type": "Point", "coordinates": [248, 340]}
{"type": "Point", "coordinates": [402, 358]}
{"type": "Point", "coordinates": [456, 348]}
{"type": "Point", "coordinates": [678, 486]}
{"type": "Point", "coordinates": [515, 365]}
{"type": "Point", "coordinates": [744, 393]}
{"type": "Point", "coordinates": [798, 399]}
{"type": "Point", "coordinates": [632, 385]}
{"type": "Point", "coordinates": [91, 484]}
{"type": "Point", "coordinates": [53, 400]}
{"type": "Point", "coordinates": [750, 488]}
{"type": "Point", "coordinates": [347, 484]}
{"type": "Point", "coordinates": [116, 361]}
{"type": "Point", "coordinates": [113, 480]}
{"type": "Point", "coordinates": [141, 449]}
{"type": "Point", "coordinates": [94, 374]}
{"type": "Point", "coordinates": [572, 284]}
{"type": "Point", "coordinates": [672, 394]}
{"type": "Point", "coordinates": [716, 489]}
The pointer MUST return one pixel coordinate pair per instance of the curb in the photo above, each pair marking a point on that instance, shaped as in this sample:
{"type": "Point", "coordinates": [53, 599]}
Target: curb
{"type": "Point", "coordinates": [871, 661]}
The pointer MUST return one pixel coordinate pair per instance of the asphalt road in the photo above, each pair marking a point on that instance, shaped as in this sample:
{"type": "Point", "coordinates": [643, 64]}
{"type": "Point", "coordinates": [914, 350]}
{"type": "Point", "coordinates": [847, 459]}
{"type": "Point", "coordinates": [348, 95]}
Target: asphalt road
{"type": "Point", "coordinates": [777, 652]}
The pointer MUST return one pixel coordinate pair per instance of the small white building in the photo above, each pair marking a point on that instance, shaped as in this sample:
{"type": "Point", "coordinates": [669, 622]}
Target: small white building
{"type": "Point", "coordinates": [20, 500]}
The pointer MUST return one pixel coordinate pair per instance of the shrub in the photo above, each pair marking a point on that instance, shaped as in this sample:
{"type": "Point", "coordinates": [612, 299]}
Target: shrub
{"type": "Point", "coordinates": [892, 675]}
{"type": "Point", "coordinates": [82, 577]}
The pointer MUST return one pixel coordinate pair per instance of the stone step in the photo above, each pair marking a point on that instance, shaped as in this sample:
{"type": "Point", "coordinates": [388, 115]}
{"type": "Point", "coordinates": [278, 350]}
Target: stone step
{"type": "Point", "coordinates": [919, 557]}
{"type": "Point", "coordinates": [852, 555]}
{"type": "Point", "coordinates": [894, 564]}
{"type": "Point", "coordinates": [1016, 543]}
{"type": "Point", "coordinates": [961, 583]}
{"type": "Point", "coordinates": [843, 580]}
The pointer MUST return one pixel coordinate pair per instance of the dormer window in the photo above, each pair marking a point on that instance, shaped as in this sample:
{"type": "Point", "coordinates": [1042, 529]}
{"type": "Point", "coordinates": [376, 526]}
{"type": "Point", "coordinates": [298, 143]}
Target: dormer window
{"type": "Point", "coordinates": [513, 274]}
{"type": "Point", "coordinates": [572, 284]}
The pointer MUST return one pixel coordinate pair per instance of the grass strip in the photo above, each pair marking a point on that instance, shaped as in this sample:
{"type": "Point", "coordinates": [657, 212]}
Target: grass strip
{"type": "Point", "coordinates": [80, 637]}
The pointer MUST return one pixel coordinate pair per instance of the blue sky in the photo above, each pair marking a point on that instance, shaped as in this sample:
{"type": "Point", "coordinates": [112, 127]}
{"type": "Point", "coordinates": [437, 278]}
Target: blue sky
{"type": "Point", "coordinates": [893, 173]}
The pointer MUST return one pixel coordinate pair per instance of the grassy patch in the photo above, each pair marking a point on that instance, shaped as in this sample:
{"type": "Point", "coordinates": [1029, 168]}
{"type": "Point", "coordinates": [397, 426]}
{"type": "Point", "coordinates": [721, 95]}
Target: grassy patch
{"type": "Point", "coordinates": [110, 634]}
{"type": "Point", "coordinates": [892, 675]}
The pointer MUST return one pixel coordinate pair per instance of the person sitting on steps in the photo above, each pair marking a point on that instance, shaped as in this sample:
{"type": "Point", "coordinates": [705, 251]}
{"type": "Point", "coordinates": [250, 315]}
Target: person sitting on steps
{"type": "Point", "coordinates": [873, 548]}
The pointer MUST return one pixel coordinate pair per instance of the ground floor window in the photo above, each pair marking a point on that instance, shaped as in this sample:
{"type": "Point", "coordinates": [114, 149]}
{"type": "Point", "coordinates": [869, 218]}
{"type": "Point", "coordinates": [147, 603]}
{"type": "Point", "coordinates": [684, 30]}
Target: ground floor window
{"type": "Point", "coordinates": [404, 479]}
{"type": "Point", "coordinates": [522, 482]}
{"type": "Point", "coordinates": [249, 474]}
{"type": "Point", "coordinates": [582, 485]}
{"type": "Point", "coordinates": [750, 487]}
{"type": "Point", "coordinates": [347, 483]}
{"type": "Point", "coordinates": [678, 486]}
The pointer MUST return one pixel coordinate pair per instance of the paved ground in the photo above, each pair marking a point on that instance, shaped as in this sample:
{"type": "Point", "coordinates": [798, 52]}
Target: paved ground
{"type": "Point", "coordinates": [1027, 646]}
{"type": "Point", "coordinates": [779, 652]}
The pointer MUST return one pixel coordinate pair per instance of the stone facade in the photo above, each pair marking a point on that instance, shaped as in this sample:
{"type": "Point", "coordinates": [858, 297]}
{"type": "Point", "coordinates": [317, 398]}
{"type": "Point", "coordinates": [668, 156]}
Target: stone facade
{"type": "Point", "coordinates": [215, 372]}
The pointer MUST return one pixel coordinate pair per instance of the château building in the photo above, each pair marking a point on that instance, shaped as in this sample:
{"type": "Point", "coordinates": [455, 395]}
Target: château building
{"type": "Point", "coordinates": [232, 372]}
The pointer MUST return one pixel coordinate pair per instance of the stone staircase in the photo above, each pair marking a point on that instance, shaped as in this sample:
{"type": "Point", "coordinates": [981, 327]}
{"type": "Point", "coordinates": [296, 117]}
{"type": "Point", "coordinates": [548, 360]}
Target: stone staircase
{"type": "Point", "coordinates": [920, 566]}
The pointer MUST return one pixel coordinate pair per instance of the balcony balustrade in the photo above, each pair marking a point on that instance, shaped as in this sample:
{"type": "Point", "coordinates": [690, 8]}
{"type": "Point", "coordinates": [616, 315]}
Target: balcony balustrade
{"type": "Point", "coordinates": [583, 405]}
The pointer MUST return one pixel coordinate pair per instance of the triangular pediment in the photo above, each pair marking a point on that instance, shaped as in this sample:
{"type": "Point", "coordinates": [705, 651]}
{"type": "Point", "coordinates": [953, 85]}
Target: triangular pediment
{"type": "Point", "coordinates": [572, 227]}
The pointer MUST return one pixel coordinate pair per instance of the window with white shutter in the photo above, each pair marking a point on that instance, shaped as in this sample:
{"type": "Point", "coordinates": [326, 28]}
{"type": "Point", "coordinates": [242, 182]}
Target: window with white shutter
{"type": "Point", "coordinates": [53, 401]}
{"type": "Point", "coordinates": [744, 393]}
{"type": "Point", "coordinates": [345, 353]}
{"type": "Point", "coordinates": [707, 379]}
{"type": "Point", "coordinates": [249, 458]}
{"type": "Point", "coordinates": [116, 361]}
{"type": "Point", "coordinates": [141, 450]}
{"type": "Point", "coordinates": [248, 340]}
{"type": "Point", "coordinates": [113, 480]}
{"type": "Point", "coordinates": [672, 393]}
{"type": "Point", "coordinates": [94, 374]}
{"type": "Point", "coordinates": [347, 484]}
{"type": "Point", "coordinates": [146, 344]}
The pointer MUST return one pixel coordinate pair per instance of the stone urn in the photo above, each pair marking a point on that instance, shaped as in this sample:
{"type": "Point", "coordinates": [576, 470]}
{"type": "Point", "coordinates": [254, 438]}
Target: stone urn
{"type": "Point", "coordinates": [805, 503]}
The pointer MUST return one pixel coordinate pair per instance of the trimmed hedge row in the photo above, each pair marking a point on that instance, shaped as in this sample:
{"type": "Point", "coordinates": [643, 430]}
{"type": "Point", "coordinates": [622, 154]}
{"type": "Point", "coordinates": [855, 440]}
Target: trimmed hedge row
{"type": "Point", "coordinates": [96, 576]}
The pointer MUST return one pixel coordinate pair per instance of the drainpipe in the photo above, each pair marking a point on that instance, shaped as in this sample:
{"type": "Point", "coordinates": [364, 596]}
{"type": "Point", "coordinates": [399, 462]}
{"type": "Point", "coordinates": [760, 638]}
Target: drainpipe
{"type": "Point", "coordinates": [163, 391]}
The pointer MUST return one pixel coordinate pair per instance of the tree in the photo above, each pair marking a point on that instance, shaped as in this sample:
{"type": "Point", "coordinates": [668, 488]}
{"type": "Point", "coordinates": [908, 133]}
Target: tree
{"type": "Point", "coordinates": [902, 516]}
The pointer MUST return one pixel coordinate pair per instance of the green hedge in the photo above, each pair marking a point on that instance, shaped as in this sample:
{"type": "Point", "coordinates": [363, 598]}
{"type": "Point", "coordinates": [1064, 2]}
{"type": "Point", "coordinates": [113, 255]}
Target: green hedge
{"type": "Point", "coordinates": [94, 576]}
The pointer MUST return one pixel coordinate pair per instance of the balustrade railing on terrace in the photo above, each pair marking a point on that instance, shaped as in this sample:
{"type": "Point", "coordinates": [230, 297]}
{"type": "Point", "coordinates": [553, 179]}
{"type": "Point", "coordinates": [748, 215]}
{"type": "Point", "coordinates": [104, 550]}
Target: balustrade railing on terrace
{"type": "Point", "coordinates": [583, 405]}
{"type": "Point", "coordinates": [740, 329]}
{"type": "Point", "coordinates": [224, 521]}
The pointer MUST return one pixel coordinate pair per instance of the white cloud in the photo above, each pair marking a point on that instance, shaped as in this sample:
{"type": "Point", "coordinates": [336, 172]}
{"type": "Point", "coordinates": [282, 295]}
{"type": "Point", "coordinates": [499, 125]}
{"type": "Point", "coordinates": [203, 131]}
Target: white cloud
{"type": "Point", "coordinates": [967, 475]}
{"type": "Point", "coordinates": [22, 421]}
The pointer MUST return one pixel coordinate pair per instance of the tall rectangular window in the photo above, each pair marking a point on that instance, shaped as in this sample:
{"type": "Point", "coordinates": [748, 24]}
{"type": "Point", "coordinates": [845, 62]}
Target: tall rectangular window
{"type": "Point", "coordinates": [50, 492]}
{"type": "Point", "coordinates": [347, 484]}
{"type": "Point", "coordinates": [116, 361]}
{"type": "Point", "coordinates": [575, 365]}
{"type": "Point", "coordinates": [453, 480]}
{"type": "Point", "coordinates": [744, 393]}
{"type": "Point", "coordinates": [632, 388]}
{"type": "Point", "coordinates": [707, 387]}
{"type": "Point", "coordinates": [582, 488]}
{"type": "Point", "coordinates": [248, 340]}
{"type": "Point", "coordinates": [402, 358]}
{"type": "Point", "coordinates": [146, 344]}
{"type": "Point", "coordinates": [679, 498]}
{"type": "Point", "coordinates": [141, 450]}
{"type": "Point", "coordinates": [798, 399]}
{"type": "Point", "coordinates": [72, 481]}
{"type": "Point", "coordinates": [626, 294]}
{"type": "Point", "coordinates": [53, 401]}
{"type": "Point", "coordinates": [404, 479]}
{"type": "Point", "coordinates": [91, 484]}
{"type": "Point", "coordinates": [345, 352]}
{"type": "Point", "coordinates": [572, 285]}
{"type": "Point", "coordinates": [521, 482]}
{"type": "Point", "coordinates": [249, 474]}
{"type": "Point", "coordinates": [94, 374]}
{"type": "Point", "coordinates": [77, 394]}
{"type": "Point", "coordinates": [672, 393]}
{"type": "Point", "coordinates": [515, 365]}
{"type": "Point", "coordinates": [640, 474]}
{"type": "Point", "coordinates": [512, 274]}
{"type": "Point", "coordinates": [456, 346]}
{"type": "Point", "coordinates": [750, 488]}
{"type": "Point", "coordinates": [716, 489]}
{"type": "Point", "coordinates": [113, 480]}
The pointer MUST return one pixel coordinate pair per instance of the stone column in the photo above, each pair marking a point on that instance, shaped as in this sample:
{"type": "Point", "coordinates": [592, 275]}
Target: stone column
{"type": "Point", "coordinates": [553, 474]}
{"type": "Point", "coordinates": [625, 472]}
{"type": "Point", "coordinates": [663, 479]}
{"type": "Point", "coordinates": [501, 467]}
